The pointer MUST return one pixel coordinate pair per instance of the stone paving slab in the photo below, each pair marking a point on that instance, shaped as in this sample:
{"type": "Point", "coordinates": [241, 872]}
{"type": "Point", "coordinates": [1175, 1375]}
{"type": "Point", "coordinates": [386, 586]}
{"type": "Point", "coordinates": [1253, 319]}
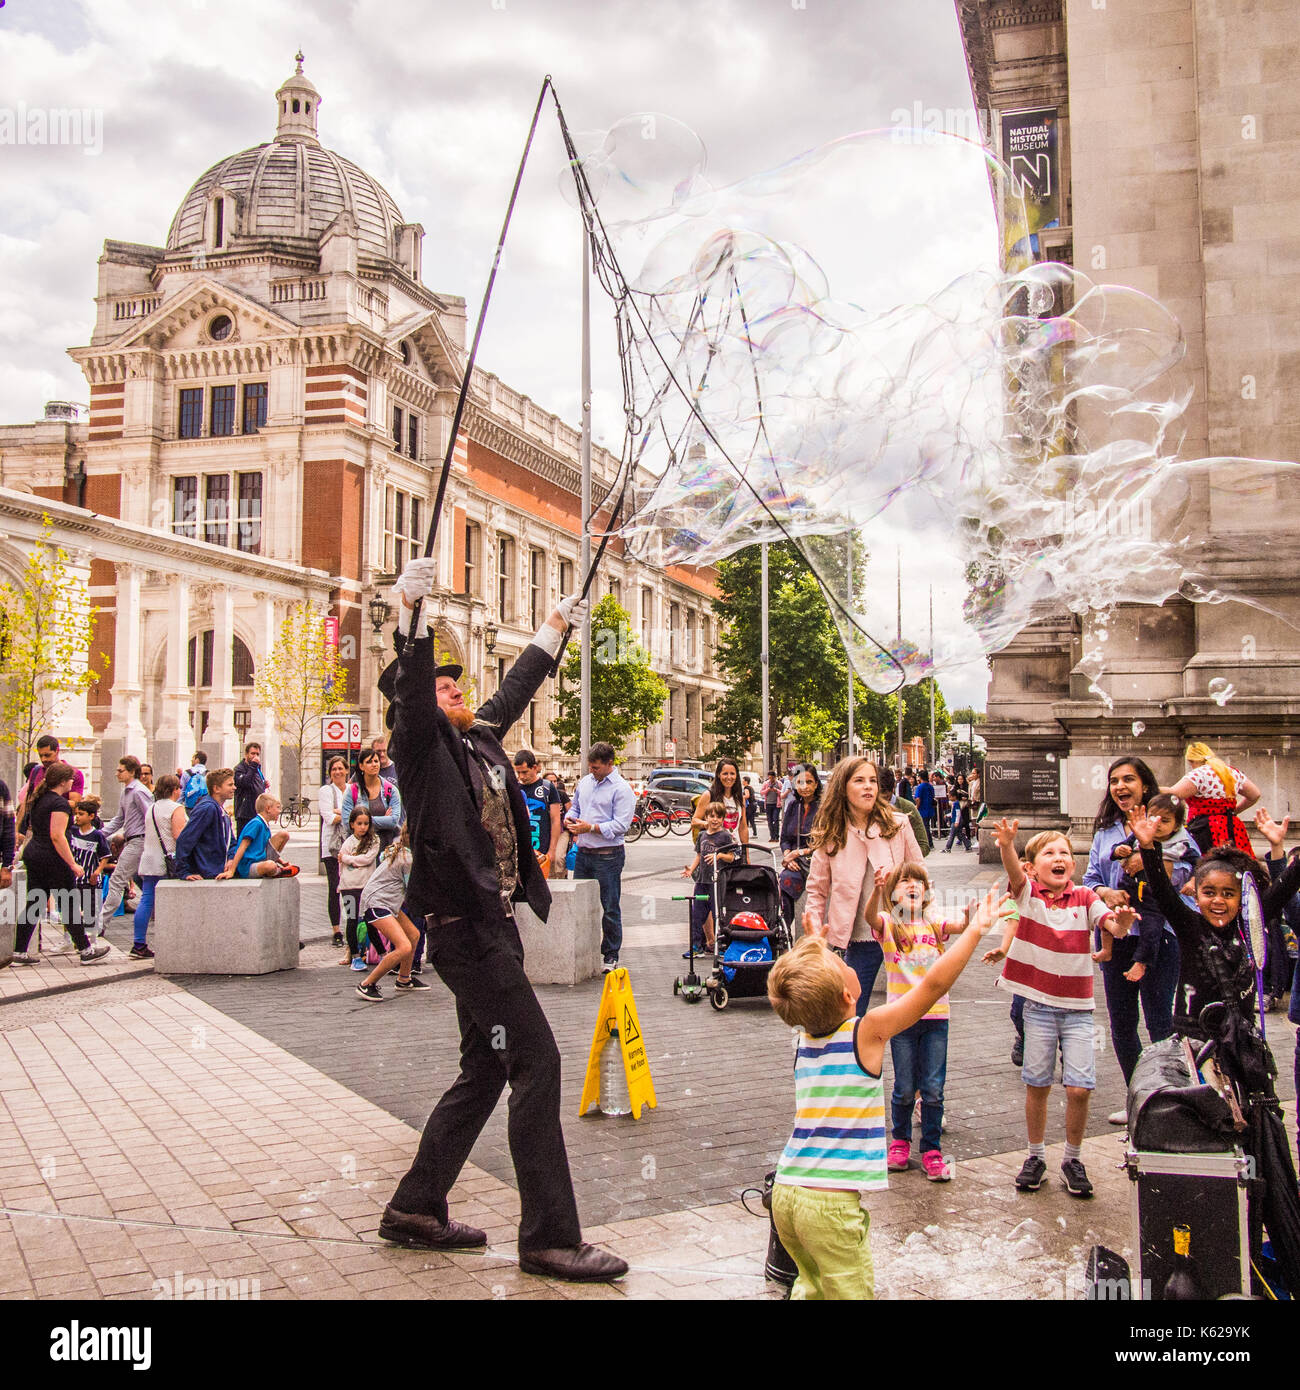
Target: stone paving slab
{"type": "Point", "coordinates": [153, 1142]}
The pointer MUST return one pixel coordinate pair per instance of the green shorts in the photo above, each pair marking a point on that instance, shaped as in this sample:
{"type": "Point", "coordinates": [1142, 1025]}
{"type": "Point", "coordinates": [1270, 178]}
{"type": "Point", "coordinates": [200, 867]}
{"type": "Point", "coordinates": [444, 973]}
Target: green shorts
{"type": "Point", "coordinates": [826, 1235]}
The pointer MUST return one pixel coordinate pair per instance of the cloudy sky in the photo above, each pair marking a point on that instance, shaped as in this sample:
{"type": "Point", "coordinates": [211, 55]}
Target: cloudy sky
{"type": "Point", "coordinates": [432, 97]}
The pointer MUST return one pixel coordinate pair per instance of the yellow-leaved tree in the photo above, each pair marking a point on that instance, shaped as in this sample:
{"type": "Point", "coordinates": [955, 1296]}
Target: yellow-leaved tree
{"type": "Point", "coordinates": [301, 680]}
{"type": "Point", "coordinates": [47, 626]}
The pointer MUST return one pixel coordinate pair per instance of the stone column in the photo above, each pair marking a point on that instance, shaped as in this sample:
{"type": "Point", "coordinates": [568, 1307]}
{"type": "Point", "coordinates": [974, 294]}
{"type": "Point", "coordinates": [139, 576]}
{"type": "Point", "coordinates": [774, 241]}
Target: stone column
{"type": "Point", "coordinates": [125, 730]}
{"type": "Point", "coordinates": [175, 740]}
{"type": "Point", "coordinates": [222, 738]}
{"type": "Point", "coordinates": [266, 627]}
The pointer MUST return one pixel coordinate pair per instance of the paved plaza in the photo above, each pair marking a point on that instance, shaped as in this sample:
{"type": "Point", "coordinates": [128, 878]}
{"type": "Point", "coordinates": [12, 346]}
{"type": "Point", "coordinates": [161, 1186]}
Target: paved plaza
{"type": "Point", "coordinates": [252, 1129]}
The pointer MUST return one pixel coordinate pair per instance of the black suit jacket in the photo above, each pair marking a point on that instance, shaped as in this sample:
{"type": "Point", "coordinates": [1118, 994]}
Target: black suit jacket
{"type": "Point", "coordinates": [453, 871]}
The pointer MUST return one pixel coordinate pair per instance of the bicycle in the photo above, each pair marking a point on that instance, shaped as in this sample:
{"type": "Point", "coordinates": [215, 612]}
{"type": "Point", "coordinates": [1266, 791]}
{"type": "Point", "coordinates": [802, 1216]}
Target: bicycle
{"type": "Point", "coordinates": [295, 811]}
{"type": "Point", "coordinates": [679, 820]}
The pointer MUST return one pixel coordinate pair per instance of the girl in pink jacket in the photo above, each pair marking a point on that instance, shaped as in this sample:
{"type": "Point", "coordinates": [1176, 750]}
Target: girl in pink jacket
{"type": "Point", "coordinates": [856, 833]}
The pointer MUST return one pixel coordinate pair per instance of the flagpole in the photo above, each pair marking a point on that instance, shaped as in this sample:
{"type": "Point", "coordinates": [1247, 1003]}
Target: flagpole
{"type": "Point", "coordinates": [934, 747]}
{"type": "Point", "coordinates": [765, 661]}
{"type": "Point", "coordinates": [584, 720]}
{"type": "Point", "coordinates": [901, 762]}
{"type": "Point", "coordinates": [848, 588]}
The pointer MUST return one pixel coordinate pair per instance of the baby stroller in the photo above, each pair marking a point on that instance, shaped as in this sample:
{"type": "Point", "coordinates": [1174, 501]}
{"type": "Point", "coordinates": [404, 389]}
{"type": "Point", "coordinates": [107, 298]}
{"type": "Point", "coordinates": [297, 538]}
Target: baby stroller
{"type": "Point", "coordinates": [748, 931]}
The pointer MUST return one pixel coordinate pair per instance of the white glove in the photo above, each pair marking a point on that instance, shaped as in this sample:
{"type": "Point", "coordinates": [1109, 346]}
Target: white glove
{"type": "Point", "coordinates": [573, 610]}
{"type": "Point", "coordinates": [416, 580]}
{"type": "Point", "coordinates": [550, 639]}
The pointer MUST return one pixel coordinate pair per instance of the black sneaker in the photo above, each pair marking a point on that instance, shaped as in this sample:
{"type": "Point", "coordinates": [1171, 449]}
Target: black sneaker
{"type": "Point", "coordinates": [370, 993]}
{"type": "Point", "coordinates": [140, 953]}
{"type": "Point", "coordinates": [338, 939]}
{"type": "Point", "coordinates": [1076, 1179]}
{"type": "Point", "coordinates": [417, 970]}
{"type": "Point", "coordinates": [1030, 1177]}
{"type": "Point", "coordinates": [1018, 1053]}
{"type": "Point", "coordinates": [407, 985]}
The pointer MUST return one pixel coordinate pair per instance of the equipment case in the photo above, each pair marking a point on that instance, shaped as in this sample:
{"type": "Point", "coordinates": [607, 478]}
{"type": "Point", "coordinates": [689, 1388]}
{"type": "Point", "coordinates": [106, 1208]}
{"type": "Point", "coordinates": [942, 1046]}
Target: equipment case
{"type": "Point", "coordinates": [1206, 1192]}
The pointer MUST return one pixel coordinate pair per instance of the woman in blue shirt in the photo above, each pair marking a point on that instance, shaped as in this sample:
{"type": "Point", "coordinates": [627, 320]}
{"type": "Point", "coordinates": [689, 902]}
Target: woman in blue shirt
{"type": "Point", "coordinates": [1130, 783]}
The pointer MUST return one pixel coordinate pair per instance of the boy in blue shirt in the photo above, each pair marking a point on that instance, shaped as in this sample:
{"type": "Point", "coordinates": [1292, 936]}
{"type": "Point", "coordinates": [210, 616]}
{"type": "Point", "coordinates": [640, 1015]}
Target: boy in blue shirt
{"type": "Point", "coordinates": [257, 846]}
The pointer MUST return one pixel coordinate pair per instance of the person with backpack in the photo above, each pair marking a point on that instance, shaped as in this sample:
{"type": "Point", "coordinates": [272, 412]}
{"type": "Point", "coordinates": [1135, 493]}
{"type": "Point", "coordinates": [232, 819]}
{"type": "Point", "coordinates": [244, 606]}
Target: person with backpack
{"type": "Point", "coordinates": [194, 785]}
{"type": "Point", "coordinates": [368, 788]}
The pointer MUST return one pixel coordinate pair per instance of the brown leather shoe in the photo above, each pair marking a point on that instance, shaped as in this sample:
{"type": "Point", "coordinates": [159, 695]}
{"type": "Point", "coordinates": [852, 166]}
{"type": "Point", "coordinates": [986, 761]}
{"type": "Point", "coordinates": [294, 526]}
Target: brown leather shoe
{"type": "Point", "coordinates": [427, 1232]}
{"type": "Point", "coordinates": [581, 1264]}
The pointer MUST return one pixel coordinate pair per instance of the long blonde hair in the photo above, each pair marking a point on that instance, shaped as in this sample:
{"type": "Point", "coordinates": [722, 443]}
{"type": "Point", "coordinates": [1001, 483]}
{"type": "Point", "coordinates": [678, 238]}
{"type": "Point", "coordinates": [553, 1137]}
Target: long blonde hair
{"type": "Point", "coordinates": [900, 928]}
{"type": "Point", "coordinates": [1203, 753]}
{"type": "Point", "coordinates": [830, 830]}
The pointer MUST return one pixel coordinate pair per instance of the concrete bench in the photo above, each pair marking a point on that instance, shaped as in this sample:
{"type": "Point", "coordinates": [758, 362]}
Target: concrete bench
{"type": "Point", "coordinates": [240, 926]}
{"type": "Point", "coordinates": [566, 947]}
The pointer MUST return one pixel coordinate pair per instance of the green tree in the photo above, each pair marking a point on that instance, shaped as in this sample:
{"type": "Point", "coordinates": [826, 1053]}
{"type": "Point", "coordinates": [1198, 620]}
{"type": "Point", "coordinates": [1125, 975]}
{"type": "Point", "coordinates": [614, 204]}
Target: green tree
{"type": "Point", "coordinates": [967, 715]}
{"type": "Point", "coordinates": [812, 731]}
{"type": "Point", "coordinates": [300, 680]}
{"type": "Point", "coordinates": [807, 667]}
{"type": "Point", "coordinates": [626, 694]}
{"type": "Point", "coordinates": [47, 626]}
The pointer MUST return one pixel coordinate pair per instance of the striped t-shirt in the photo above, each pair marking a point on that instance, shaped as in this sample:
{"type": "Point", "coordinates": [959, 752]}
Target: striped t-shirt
{"type": "Point", "coordinates": [1050, 959]}
{"type": "Point", "coordinates": [838, 1139]}
{"type": "Point", "coordinates": [904, 970]}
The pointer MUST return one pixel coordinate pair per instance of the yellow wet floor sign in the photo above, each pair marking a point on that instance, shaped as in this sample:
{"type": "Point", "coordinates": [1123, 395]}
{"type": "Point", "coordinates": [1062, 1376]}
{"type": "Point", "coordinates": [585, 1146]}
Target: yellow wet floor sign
{"type": "Point", "coordinates": [618, 1011]}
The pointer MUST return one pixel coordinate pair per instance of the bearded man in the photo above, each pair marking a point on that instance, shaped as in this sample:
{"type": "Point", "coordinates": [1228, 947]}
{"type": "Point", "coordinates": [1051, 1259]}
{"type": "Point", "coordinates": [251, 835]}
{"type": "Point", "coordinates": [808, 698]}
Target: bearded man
{"type": "Point", "coordinates": [471, 845]}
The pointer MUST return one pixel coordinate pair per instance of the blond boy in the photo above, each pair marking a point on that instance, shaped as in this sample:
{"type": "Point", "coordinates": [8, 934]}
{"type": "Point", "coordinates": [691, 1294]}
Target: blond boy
{"type": "Point", "coordinates": [836, 1152]}
{"type": "Point", "coordinates": [257, 853]}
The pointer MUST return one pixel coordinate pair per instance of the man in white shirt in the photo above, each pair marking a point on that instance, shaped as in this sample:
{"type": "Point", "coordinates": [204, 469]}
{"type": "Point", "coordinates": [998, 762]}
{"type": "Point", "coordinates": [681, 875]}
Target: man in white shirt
{"type": "Point", "coordinates": [599, 816]}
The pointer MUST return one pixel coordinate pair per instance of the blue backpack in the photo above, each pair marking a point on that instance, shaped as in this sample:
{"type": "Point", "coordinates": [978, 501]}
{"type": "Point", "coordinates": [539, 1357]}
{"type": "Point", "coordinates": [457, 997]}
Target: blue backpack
{"type": "Point", "coordinates": [196, 787]}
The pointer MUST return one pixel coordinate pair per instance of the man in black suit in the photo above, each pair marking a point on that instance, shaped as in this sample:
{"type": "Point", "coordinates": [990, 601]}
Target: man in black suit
{"type": "Point", "coordinates": [471, 843]}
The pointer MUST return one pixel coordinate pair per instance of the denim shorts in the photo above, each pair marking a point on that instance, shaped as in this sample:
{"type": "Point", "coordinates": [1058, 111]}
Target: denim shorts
{"type": "Point", "coordinates": [1046, 1028]}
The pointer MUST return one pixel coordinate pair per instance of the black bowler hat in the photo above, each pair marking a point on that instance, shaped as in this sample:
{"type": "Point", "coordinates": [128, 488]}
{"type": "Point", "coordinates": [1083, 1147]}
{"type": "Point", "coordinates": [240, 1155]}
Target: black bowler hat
{"type": "Point", "coordinates": [450, 669]}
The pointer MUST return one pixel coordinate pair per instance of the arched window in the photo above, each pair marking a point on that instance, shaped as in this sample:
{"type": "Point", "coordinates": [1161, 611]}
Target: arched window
{"type": "Point", "coordinates": [201, 662]}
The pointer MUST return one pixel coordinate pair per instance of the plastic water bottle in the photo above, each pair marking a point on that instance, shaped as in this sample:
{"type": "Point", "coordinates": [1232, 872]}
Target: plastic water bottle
{"type": "Point", "coordinates": [614, 1096]}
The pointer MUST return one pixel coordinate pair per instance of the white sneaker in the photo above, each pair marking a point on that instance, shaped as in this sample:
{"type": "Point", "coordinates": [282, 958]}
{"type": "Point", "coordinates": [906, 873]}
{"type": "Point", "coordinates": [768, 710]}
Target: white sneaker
{"type": "Point", "coordinates": [65, 947]}
{"type": "Point", "coordinates": [1117, 1117]}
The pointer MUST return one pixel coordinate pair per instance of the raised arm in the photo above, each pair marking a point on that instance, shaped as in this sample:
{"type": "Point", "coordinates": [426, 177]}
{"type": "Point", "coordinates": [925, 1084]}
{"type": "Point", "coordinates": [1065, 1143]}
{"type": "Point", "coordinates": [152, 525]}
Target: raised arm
{"type": "Point", "coordinates": [1286, 879]}
{"type": "Point", "coordinates": [1173, 906]}
{"type": "Point", "coordinates": [1006, 842]}
{"type": "Point", "coordinates": [888, 1020]}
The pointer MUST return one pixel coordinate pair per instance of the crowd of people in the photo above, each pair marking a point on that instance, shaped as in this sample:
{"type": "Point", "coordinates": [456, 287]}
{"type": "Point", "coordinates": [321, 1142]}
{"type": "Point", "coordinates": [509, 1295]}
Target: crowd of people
{"type": "Point", "coordinates": [176, 826]}
{"type": "Point", "coordinates": [426, 855]}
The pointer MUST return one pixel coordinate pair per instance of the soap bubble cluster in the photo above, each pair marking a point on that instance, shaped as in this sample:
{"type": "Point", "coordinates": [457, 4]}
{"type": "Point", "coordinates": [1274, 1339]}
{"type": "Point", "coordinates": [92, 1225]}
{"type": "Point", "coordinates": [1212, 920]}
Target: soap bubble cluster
{"type": "Point", "coordinates": [826, 350]}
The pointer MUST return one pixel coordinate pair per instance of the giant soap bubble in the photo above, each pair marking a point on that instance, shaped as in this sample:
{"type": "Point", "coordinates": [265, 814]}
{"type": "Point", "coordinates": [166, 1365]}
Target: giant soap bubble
{"type": "Point", "coordinates": [852, 345]}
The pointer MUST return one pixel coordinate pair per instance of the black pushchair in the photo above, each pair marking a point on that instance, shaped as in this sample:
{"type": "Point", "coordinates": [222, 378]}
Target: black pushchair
{"type": "Point", "coordinates": [748, 933]}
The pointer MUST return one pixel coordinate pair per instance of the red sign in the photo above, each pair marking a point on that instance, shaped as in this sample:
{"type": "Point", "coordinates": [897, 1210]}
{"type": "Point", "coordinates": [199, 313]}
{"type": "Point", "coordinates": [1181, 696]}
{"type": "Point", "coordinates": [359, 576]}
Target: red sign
{"type": "Point", "coordinates": [340, 731]}
{"type": "Point", "coordinates": [332, 633]}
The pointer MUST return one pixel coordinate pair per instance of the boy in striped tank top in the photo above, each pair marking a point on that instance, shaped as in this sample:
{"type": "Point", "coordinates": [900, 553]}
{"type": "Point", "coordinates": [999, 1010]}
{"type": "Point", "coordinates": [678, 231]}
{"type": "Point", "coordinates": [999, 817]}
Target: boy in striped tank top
{"type": "Point", "coordinates": [836, 1152]}
{"type": "Point", "coordinates": [1049, 963]}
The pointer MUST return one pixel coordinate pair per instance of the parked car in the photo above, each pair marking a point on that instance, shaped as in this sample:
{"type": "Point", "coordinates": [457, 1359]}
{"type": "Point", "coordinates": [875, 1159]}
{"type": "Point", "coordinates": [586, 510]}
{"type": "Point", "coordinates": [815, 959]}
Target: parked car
{"type": "Point", "coordinates": [677, 786]}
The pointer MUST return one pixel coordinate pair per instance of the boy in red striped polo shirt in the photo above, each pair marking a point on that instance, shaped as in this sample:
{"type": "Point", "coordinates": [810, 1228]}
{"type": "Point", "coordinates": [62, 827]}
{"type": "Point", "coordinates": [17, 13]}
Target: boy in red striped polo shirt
{"type": "Point", "coordinates": [1048, 953]}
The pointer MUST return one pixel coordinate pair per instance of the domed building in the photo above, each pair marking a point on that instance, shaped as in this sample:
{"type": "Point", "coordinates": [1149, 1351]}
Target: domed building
{"type": "Point", "coordinates": [271, 396]}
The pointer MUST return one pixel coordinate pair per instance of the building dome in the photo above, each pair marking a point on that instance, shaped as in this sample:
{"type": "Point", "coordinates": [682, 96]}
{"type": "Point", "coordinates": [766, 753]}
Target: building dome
{"type": "Point", "coordinates": [290, 189]}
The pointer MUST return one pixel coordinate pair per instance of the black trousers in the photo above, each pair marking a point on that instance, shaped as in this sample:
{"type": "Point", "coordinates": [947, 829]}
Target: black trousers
{"type": "Point", "coordinates": [504, 1037]}
{"type": "Point", "coordinates": [331, 862]}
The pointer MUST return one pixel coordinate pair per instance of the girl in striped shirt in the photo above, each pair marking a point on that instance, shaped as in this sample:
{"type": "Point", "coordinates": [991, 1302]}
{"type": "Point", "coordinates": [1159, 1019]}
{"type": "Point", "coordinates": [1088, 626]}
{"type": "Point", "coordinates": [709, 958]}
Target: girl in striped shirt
{"type": "Point", "coordinates": [836, 1152]}
{"type": "Point", "coordinates": [911, 935]}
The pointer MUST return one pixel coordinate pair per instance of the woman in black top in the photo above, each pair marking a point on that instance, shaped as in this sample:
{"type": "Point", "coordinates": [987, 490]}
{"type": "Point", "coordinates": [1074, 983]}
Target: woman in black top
{"type": "Point", "coordinates": [796, 831]}
{"type": "Point", "coordinates": [51, 868]}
